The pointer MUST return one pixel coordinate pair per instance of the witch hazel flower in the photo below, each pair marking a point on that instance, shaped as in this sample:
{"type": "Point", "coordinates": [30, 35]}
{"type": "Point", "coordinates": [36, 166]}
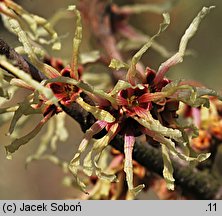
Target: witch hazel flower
{"type": "Point", "coordinates": [57, 87]}
{"type": "Point", "coordinates": [209, 123]}
{"type": "Point", "coordinates": [146, 103]}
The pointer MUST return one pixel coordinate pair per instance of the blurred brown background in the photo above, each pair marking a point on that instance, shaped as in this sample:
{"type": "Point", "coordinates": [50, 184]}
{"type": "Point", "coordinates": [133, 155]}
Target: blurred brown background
{"type": "Point", "coordinates": [42, 180]}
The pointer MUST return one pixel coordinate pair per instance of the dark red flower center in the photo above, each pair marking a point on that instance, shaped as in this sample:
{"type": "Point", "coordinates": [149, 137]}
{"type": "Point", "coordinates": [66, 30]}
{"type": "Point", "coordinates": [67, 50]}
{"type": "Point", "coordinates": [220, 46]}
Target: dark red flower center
{"type": "Point", "coordinates": [66, 93]}
{"type": "Point", "coordinates": [131, 99]}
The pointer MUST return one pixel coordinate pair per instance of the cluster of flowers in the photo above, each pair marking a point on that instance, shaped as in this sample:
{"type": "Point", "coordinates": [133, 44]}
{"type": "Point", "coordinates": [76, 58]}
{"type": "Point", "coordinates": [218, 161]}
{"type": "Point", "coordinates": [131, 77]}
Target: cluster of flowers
{"type": "Point", "coordinates": [143, 103]}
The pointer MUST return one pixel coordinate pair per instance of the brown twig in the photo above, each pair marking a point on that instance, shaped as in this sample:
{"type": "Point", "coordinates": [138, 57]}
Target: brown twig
{"type": "Point", "coordinates": [20, 61]}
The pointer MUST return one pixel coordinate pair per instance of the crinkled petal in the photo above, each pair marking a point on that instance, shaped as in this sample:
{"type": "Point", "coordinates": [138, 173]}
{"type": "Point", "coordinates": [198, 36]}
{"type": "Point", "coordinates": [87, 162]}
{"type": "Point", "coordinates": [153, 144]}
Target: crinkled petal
{"type": "Point", "coordinates": [60, 131]}
{"type": "Point", "coordinates": [17, 143]}
{"type": "Point", "coordinates": [178, 57]}
{"type": "Point", "coordinates": [44, 142]}
{"type": "Point", "coordinates": [191, 95]}
{"type": "Point", "coordinates": [24, 108]}
{"type": "Point", "coordinates": [154, 125]}
{"type": "Point", "coordinates": [97, 112]}
{"type": "Point", "coordinates": [168, 168]}
{"type": "Point", "coordinates": [129, 141]}
{"type": "Point", "coordinates": [132, 69]}
{"type": "Point", "coordinates": [98, 147]}
{"type": "Point", "coordinates": [94, 129]}
{"type": "Point", "coordinates": [76, 43]}
{"type": "Point", "coordinates": [88, 166]}
{"type": "Point", "coordinates": [75, 162]}
{"type": "Point", "coordinates": [172, 148]}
